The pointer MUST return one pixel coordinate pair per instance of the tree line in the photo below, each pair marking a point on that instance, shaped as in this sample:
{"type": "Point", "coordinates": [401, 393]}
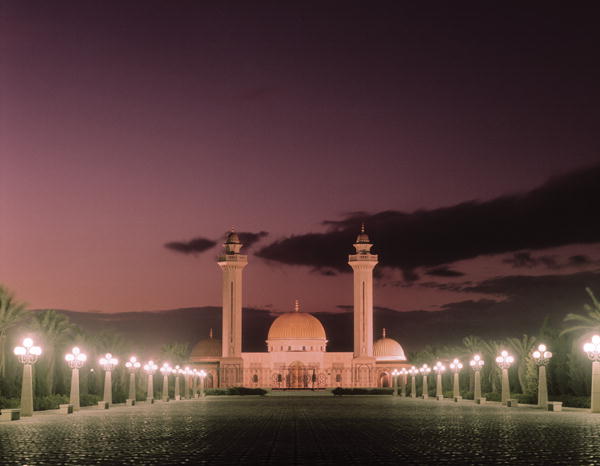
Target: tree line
{"type": "Point", "coordinates": [57, 335]}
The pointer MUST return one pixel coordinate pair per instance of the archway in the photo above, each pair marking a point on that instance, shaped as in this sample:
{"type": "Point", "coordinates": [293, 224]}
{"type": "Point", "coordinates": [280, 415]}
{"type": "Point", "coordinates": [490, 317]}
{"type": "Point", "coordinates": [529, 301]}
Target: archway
{"type": "Point", "coordinates": [298, 377]}
{"type": "Point", "coordinates": [384, 380]}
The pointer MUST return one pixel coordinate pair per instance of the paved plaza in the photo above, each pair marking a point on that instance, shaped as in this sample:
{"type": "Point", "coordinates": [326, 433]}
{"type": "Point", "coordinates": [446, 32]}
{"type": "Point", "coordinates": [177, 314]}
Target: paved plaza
{"type": "Point", "coordinates": [304, 430]}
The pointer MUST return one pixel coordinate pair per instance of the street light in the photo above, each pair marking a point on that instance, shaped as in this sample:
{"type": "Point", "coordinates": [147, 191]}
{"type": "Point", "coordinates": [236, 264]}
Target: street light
{"type": "Point", "coordinates": [186, 382]}
{"type": "Point", "coordinates": [504, 361]}
{"type": "Point", "coordinates": [477, 364]}
{"type": "Point", "coordinates": [176, 371]}
{"type": "Point", "coordinates": [542, 357]}
{"type": "Point", "coordinates": [132, 366]}
{"type": "Point", "coordinates": [395, 381]}
{"type": "Point", "coordinates": [165, 371]}
{"type": "Point", "coordinates": [27, 355]}
{"type": "Point", "coordinates": [150, 369]}
{"type": "Point", "coordinates": [425, 370]}
{"type": "Point", "coordinates": [202, 375]}
{"type": "Point", "coordinates": [403, 373]}
{"type": "Point", "coordinates": [439, 369]}
{"type": "Point", "coordinates": [413, 371]}
{"type": "Point", "coordinates": [592, 348]}
{"type": "Point", "coordinates": [456, 366]}
{"type": "Point", "coordinates": [108, 362]}
{"type": "Point", "coordinates": [75, 359]}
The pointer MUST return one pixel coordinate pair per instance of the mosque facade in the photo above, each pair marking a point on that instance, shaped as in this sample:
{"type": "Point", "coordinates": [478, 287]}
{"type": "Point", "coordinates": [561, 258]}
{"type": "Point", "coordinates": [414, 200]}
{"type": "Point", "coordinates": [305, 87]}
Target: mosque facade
{"type": "Point", "coordinates": [296, 355]}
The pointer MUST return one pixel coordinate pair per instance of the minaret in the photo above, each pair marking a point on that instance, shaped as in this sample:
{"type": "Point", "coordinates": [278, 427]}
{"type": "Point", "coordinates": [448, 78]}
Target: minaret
{"type": "Point", "coordinates": [232, 263]}
{"type": "Point", "coordinates": [363, 263]}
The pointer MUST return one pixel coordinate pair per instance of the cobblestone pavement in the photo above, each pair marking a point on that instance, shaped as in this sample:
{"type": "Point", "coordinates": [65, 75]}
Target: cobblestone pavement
{"type": "Point", "coordinates": [288, 431]}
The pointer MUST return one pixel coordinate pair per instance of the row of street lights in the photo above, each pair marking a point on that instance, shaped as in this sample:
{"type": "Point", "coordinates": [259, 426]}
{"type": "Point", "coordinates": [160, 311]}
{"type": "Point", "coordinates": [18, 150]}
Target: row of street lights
{"type": "Point", "coordinates": [29, 353]}
{"type": "Point", "coordinates": [541, 356]}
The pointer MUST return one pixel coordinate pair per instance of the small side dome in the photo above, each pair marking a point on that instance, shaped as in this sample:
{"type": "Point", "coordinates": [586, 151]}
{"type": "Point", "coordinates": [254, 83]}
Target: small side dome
{"type": "Point", "coordinates": [388, 349]}
{"type": "Point", "coordinates": [208, 348]}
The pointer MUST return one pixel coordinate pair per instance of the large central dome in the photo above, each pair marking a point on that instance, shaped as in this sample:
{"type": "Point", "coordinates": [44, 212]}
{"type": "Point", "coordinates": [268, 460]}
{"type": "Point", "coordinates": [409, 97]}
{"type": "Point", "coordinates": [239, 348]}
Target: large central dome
{"type": "Point", "coordinates": [296, 325]}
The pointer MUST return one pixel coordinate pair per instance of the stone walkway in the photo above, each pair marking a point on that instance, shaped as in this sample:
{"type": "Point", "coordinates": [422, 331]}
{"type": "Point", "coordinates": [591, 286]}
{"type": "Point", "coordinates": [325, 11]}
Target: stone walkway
{"type": "Point", "coordinates": [304, 431]}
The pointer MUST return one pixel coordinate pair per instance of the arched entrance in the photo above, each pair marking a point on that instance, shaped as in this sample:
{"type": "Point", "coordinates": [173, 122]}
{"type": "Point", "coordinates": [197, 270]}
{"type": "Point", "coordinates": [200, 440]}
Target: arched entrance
{"type": "Point", "coordinates": [297, 375]}
{"type": "Point", "coordinates": [384, 380]}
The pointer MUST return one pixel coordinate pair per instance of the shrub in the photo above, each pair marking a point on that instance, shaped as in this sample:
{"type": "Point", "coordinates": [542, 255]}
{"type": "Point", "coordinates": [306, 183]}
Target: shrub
{"type": "Point", "coordinates": [362, 391]}
{"type": "Point", "coordinates": [572, 401]}
{"type": "Point", "coordinates": [87, 399]}
{"type": "Point", "coordinates": [246, 391]}
{"type": "Point", "coordinates": [493, 396]}
{"type": "Point", "coordinates": [42, 403]}
{"type": "Point", "coordinates": [6, 403]}
{"type": "Point", "coordinates": [215, 392]}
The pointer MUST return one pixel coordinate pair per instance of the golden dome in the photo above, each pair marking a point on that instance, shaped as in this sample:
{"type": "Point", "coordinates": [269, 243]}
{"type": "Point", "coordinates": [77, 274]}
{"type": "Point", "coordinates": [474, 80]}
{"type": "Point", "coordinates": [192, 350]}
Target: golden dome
{"type": "Point", "coordinates": [296, 325]}
{"type": "Point", "coordinates": [386, 349]}
{"type": "Point", "coordinates": [208, 348]}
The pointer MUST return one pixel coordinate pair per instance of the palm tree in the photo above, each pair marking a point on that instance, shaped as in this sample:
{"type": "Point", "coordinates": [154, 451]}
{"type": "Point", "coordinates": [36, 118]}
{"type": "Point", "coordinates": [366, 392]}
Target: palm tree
{"type": "Point", "coordinates": [54, 328]}
{"type": "Point", "coordinates": [474, 345]}
{"type": "Point", "coordinates": [591, 322]}
{"type": "Point", "coordinates": [175, 353]}
{"type": "Point", "coordinates": [490, 350]}
{"type": "Point", "coordinates": [11, 313]}
{"type": "Point", "coordinates": [522, 349]}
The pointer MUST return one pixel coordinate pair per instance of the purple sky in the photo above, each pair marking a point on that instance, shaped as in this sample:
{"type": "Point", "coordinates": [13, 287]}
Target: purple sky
{"type": "Point", "coordinates": [128, 125]}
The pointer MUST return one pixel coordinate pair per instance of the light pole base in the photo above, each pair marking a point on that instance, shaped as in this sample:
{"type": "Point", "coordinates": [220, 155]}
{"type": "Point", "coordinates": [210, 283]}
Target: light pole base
{"type": "Point", "coordinates": [150, 401]}
{"type": "Point", "coordinates": [103, 404]}
{"type": "Point", "coordinates": [425, 397]}
{"type": "Point", "coordinates": [439, 397]}
{"type": "Point", "coordinates": [129, 402]}
{"type": "Point", "coordinates": [480, 401]}
{"type": "Point", "coordinates": [457, 399]}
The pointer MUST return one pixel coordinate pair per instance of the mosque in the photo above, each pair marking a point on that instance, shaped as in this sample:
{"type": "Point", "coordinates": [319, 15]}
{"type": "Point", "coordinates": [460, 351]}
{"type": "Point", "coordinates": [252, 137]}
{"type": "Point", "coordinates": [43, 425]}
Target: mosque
{"type": "Point", "coordinates": [296, 355]}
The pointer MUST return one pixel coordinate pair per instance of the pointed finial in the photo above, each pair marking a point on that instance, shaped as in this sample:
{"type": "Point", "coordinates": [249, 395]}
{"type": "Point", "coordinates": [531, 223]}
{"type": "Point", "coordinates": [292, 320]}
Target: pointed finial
{"type": "Point", "coordinates": [296, 306]}
{"type": "Point", "coordinates": [383, 332]}
{"type": "Point", "coordinates": [362, 227]}
{"type": "Point", "coordinates": [210, 333]}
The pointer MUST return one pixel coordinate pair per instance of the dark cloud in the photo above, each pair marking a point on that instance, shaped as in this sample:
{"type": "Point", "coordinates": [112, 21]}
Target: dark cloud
{"type": "Point", "coordinates": [579, 260]}
{"type": "Point", "coordinates": [545, 286]}
{"type": "Point", "coordinates": [194, 246]}
{"type": "Point", "coordinates": [444, 272]}
{"type": "Point", "coordinates": [555, 214]}
{"type": "Point", "coordinates": [248, 239]}
{"type": "Point", "coordinates": [527, 260]}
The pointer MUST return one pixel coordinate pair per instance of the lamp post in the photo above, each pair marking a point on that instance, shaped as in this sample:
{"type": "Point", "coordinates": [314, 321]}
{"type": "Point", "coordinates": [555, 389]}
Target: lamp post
{"type": "Point", "coordinates": [477, 364]}
{"type": "Point", "coordinates": [28, 355]}
{"type": "Point", "coordinates": [504, 361]}
{"type": "Point", "coordinates": [439, 369]}
{"type": "Point", "coordinates": [150, 369]}
{"type": "Point", "coordinates": [186, 382]}
{"type": "Point", "coordinates": [413, 371]}
{"type": "Point", "coordinates": [592, 348]}
{"type": "Point", "coordinates": [75, 359]}
{"type": "Point", "coordinates": [202, 375]}
{"type": "Point", "coordinates": [542, 357]}
{"type": "Point", "coordinates": [403, 373]}
{"type": "Point", "coordinates": [455, 367]}
{"type": "Point", "coordinates": [425, 370]}
{"type": "Point", "coordinates": [132, 366]}
{"type": "Point", "coordinates": [108, 362]}
{"type": "Point", "coordinates": [395, 381]}
{"type": "Point", "coordinates": [176, 371]}
{"type": "Point", "coordinates": [194, 383]}
{"type": "Point", "coordinates": [165, 371]}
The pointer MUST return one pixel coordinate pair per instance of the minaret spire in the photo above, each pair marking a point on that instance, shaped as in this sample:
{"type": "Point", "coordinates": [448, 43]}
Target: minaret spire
{"type": "Point", "coordinates": [232, 264]}
{"type": "Point", "coordinates": [383, 333]}
{"type": "Point", "coordinates": [363, 262]}
{"type": "Point", "coordinates": [210, 333]}
{"type": "Point", "coordinates": [296, 306]}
